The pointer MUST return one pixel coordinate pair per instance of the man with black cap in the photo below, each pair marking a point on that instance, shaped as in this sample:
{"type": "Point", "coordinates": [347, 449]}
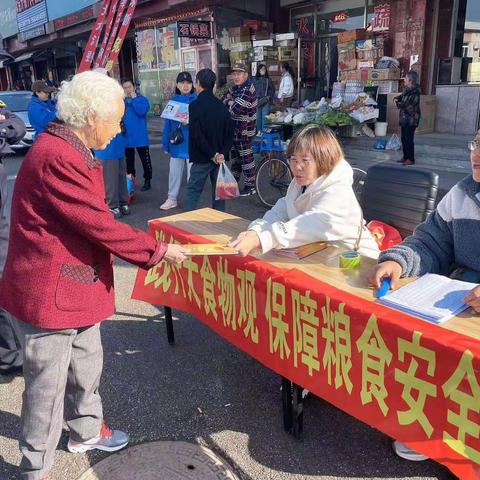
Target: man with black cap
{"type": "Point", "coordinates": [241, 100]}
{"type": "Point", "coordinates": [12, 129]}
{"type": "Point", "coordinates": [41, 109]}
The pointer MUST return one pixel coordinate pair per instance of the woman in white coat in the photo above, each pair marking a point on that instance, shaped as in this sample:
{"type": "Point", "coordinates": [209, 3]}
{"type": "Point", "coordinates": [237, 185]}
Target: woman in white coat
{"type": "Point", "coordinates": [320, 204]}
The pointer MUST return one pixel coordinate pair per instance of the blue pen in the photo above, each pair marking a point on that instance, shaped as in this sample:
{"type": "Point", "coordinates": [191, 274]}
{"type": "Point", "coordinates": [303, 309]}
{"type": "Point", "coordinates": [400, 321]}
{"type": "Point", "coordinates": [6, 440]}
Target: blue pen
{"type": "Point", "coordinates": [384, 287]}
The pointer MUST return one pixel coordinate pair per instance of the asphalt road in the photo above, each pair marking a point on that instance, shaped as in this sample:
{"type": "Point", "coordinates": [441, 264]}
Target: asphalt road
{"type": "Point", "coordinates": [205, 390]}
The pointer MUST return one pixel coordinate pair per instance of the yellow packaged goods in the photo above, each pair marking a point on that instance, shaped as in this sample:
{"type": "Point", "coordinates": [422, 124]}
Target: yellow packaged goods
{"type": "Point", "coordinates": [346, 47]}
{"type": "Point", "coordinates": [385, 74]}
{"type": "Point", "coordinates": [285, 53]}
{"type": "Point", "coordinates": [348, 36]}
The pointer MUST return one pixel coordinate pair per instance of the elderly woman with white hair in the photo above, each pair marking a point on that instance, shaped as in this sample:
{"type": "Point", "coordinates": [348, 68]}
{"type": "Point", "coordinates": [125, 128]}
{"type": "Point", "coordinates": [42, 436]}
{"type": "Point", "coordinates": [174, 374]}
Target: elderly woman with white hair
{"type": "Point", "coordinates": [58, 277]}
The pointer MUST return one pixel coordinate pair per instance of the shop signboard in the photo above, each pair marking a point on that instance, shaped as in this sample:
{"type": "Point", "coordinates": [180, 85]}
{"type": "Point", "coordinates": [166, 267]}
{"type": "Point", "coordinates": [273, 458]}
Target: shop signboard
{"type": "Point", "coordinates": [305, 26]}
{"type": "Point", "coordinates": [32, 33]}
{"type": "Point", "coordinates": [340, 17]}
{"type": "Point", "coordinates": [194, 29]}
{"type": "Point", "coordinates": [381, 18]}
{"type": "Point", "coordinates": [8, 18]}
{"type": "Point", "coordinates": [31, 14]}
{"type": "Point", "coordinates": [57, 9]}
{"type": "Point", "coordinates": [74, 18]}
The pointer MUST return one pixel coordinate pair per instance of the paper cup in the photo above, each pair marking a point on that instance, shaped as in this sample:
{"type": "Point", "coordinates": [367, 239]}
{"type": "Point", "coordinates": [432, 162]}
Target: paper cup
{"type": "Point", "coordinates": [349, 260]}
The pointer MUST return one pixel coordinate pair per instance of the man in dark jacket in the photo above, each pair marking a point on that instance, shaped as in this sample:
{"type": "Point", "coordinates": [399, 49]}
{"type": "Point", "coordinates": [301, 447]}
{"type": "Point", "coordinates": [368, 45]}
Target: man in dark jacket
{"type": "Point", "coordinates": [12, 129]}
{"type": "Point", "coordinates": [210, 141]}
{"type": "Point", "coordinates": [241, 100]}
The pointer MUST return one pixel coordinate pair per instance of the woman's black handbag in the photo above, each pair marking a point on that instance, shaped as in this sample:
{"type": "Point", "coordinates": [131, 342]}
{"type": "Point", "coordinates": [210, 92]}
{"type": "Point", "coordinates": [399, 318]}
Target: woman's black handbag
{"type": "Point", "coordinates": [176, 136]}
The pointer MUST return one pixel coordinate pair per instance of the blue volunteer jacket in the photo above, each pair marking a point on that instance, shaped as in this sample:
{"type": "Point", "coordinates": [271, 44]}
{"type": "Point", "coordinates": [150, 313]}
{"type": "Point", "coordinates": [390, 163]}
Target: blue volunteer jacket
{"type": "Point", "coordinates": [181, 150]}
{"type": "Point", "coordinates": [115, 150]}
{"type": "Point", "coordinates": [40, 114]}
{"type": "Point", "coordinates": [135, 119]}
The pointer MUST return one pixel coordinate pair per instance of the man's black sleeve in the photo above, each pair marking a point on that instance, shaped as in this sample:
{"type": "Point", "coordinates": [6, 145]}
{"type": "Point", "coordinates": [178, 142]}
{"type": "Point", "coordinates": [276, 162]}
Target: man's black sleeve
{"type": "Point", "coordinates": [227, 134]}
{"type": "Point", "coordinates": [197, 135]}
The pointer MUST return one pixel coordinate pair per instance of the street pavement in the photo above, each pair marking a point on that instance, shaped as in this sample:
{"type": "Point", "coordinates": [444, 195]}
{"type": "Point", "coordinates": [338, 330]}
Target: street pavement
{"type": "Point", "coordinates": [206, 391]}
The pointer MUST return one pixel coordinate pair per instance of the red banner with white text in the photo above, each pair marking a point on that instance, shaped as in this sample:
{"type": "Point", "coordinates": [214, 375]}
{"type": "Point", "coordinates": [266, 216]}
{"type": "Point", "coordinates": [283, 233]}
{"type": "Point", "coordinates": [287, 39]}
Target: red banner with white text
{"type": "Point", "coordinates": [414, 381]}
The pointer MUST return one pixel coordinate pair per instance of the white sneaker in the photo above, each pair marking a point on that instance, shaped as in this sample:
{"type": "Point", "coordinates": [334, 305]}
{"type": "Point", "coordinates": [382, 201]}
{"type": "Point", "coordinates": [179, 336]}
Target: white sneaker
{"type": "Point", "coordinates": [407, 453]}
{"type": "Point", "coordinates": [168, 204]}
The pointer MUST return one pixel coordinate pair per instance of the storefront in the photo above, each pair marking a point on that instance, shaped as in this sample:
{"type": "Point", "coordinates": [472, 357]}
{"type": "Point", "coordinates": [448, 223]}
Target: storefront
{"type": "Point", "coordinates": [162, 52]}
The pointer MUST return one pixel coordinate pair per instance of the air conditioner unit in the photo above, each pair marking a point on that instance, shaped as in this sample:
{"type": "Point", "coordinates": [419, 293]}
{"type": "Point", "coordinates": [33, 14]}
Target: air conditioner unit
{"type": "Point", "coordinates": [449, 71]}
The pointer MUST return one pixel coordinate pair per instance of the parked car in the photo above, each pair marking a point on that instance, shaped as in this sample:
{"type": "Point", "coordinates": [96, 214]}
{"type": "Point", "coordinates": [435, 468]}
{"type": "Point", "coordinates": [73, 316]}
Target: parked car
{"type": "Point", "coordinates": [17, 102]}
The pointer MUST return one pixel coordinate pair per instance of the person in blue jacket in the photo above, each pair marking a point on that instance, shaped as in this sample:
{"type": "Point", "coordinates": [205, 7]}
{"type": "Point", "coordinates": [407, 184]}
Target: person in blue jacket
{"type": "Point", "coordinates": [184, 93]}
{"type": "Point", "coordinates": [136, 109]}
{"type": "Point", "coordinates": [115, 175]}
{"type": "Point", "coordinates": [41, 109]}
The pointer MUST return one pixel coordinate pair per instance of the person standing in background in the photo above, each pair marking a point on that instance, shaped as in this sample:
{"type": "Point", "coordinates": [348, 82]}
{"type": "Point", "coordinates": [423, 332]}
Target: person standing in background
{"type": "Point", "coordinates": [136, 109]}
{"type": "Point", "coordinates": [241, 100]}
{"type": "Point", "coordinates": [409, 105]}
{"type": "Point", "coordinates": [176, 139]}
{"type": "Point", "coordinates": [265, 95]}
{"type": "Point", "coordinates": [286, 89]}
{"type": "Point", "coordinates": [115, 175]}
{"type": "Point", "coordinates": [41, 109]}
{"type": "Point", "coordinates": [12, 130]}
{"type": "Point", "coordinates": [210, 141]}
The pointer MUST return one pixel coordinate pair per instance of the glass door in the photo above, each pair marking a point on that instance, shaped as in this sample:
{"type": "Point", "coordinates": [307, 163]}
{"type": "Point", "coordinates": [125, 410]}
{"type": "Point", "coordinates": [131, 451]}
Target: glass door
{"type": "Point", "coordinates": [189, 61]}
{"type": "Point", "coordinates": [327, 67]}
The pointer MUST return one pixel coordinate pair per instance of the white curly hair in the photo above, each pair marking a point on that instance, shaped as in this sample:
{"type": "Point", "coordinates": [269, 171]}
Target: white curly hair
{"type": "Point", "coordinates": [86, 94]}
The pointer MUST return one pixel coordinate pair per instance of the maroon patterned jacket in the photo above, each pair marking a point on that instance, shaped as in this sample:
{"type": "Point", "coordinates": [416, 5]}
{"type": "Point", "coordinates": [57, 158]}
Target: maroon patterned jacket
{"type": "Point", "coordinates": [59, 271]}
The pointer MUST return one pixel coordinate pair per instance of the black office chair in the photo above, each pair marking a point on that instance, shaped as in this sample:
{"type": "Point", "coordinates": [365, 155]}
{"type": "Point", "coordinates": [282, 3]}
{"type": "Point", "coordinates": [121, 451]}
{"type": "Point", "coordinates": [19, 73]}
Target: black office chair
{"type": "Point", "coordinates": [400, 196]}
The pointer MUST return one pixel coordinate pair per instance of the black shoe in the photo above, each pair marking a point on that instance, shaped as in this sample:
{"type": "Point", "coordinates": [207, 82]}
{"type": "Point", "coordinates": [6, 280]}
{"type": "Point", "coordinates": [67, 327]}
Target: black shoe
{"type": "Point", "coordinates": [146, 186]}
{"type": "Point", "coordinates": [125, 210]}
{"type": "Point", "coordinates": [246, 191]}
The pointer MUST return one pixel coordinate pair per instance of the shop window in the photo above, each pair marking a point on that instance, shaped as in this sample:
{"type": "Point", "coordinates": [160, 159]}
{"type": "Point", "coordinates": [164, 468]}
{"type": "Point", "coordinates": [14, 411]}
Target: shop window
{"type": "Point", "coordinates": [334, 17]}
{"type": "Point", "coordinates": [470, 9]}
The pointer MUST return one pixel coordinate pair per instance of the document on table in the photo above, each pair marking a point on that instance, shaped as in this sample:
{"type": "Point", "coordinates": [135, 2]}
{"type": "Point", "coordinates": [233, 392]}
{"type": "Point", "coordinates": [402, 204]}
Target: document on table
{"type": "Point", "coordinates": [209, 249]}
{"type": "Point", "coordinates": [434, 298]}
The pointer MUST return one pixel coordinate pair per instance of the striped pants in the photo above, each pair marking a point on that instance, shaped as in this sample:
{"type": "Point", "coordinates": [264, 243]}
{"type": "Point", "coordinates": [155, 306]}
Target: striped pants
{"type": "Point", "coordinates": [243, 161]}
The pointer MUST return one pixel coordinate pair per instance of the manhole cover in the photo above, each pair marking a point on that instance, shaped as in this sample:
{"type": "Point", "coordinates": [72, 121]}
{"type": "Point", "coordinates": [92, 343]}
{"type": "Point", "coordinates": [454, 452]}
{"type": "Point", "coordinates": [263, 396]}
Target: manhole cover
{"type": "Point", "coordinates": [161, 461]}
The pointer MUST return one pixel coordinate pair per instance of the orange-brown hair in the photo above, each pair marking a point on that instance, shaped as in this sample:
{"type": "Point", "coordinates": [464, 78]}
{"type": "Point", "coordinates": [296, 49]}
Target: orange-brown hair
{"type": "Point", "coordinates": [321, 143]}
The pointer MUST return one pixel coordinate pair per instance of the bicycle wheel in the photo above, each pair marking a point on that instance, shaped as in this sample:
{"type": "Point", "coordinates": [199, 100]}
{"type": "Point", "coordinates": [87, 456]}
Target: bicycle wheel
{"type": "Point", "coordinates": [272, 180]}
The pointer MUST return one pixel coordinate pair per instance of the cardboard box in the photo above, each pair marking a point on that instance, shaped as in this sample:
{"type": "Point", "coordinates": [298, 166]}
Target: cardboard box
{"type": "Point", "coordinates": [240, 46]}
{"type": "Point", "coordinates": [385, 86]}
{"type": "Point", "coordinates": [286, 43]}
{"type": "Point", "coordinates": [287, 54]}
{"type": "Point", "coordinates": [346, 63]}
{"type": "Point", "coordinates": [262, 36]}
{"type": "Point", "coordinates": [348, 36]}
{"type": "Point", "coordinates": [365, 44]}
{"type": "Point", "coordinates": [385, 74]}
{"type": "Point", "coordinates": [365, 64]}
{"type": "Point", "coordinates": [427, 118]}
{"type": "Point", "coordinates": [239, 34]}
{"type": "Point", "coordinates": [372, 54]}
{"type": "Point", "coordinates": [259, 54]}
{"type": "Point", "coordinates": [360, 75]}
{"type": "Point", "coordinates": [258, 25]}
{"type": "Point", "coordinates": [285, 36]}
{"type": "Point", "coordinates": [263, 43]}
{"type": "Point", "coordinates": [346, 47]}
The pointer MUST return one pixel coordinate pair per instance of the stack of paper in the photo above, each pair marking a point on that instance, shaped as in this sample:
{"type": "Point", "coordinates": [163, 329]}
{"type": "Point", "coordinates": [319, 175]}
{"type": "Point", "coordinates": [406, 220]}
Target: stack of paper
{"type": "Point", "coordinates": [303, 251]}
{"type": "Point", "coordinates": [434, 298]}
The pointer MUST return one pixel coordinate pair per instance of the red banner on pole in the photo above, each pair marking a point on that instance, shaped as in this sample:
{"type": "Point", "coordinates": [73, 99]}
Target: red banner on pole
{"type": "Point", "coordinates": [121, 36]}
{"type": "Point", "coordinates": [107, 32]}
{"type": "Point", "coordinates": [95, 35]}
{"type": "Point", "coordinates": [102, 59]}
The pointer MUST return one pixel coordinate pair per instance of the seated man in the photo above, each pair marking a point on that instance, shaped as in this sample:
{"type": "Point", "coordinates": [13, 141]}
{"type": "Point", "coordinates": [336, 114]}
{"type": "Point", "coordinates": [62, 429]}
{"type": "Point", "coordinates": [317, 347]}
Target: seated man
{"type": "Point", "coordinates": [320, 204]}
{"type": "Point", "coordinates": [447, 243]}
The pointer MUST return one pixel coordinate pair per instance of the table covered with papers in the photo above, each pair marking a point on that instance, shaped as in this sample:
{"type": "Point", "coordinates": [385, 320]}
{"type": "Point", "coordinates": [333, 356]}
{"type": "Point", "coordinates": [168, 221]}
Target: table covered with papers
{"type": "Point", "coordinates": [321, 327]}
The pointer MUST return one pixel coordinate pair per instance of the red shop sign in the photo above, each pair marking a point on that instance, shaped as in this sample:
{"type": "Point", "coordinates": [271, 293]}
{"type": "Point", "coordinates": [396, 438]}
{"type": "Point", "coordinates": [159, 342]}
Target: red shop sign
{"type": "Point", "coordinates": [340, 17]}
{"type": "Point", "coordinates": [74, 18]}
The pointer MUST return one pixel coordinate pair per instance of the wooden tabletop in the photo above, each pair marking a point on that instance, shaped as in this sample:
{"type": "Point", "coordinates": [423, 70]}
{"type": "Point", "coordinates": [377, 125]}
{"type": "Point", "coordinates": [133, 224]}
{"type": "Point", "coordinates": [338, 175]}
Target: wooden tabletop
{"type": "Point", "coordinates": [220, 227]}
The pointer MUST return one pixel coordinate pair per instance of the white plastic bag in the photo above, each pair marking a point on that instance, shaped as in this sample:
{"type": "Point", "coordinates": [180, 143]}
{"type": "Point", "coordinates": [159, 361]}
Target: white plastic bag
{"type": "Point", "coordinates": [227, 186]}
{"type": "Point", "coordinates": [394, 143]}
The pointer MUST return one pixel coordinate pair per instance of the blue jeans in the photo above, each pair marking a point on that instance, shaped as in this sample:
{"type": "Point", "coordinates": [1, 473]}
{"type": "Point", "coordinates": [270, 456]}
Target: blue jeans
{"type": "Point", "coordinates": [198, 176]}
{"type": "Point", "coordinates": [262, 112]}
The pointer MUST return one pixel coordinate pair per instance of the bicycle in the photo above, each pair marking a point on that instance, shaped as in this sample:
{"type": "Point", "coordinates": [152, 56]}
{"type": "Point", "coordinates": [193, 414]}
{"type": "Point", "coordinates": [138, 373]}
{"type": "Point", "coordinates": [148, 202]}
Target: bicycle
{"type": "Point", "coordinates": [274, 176]}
